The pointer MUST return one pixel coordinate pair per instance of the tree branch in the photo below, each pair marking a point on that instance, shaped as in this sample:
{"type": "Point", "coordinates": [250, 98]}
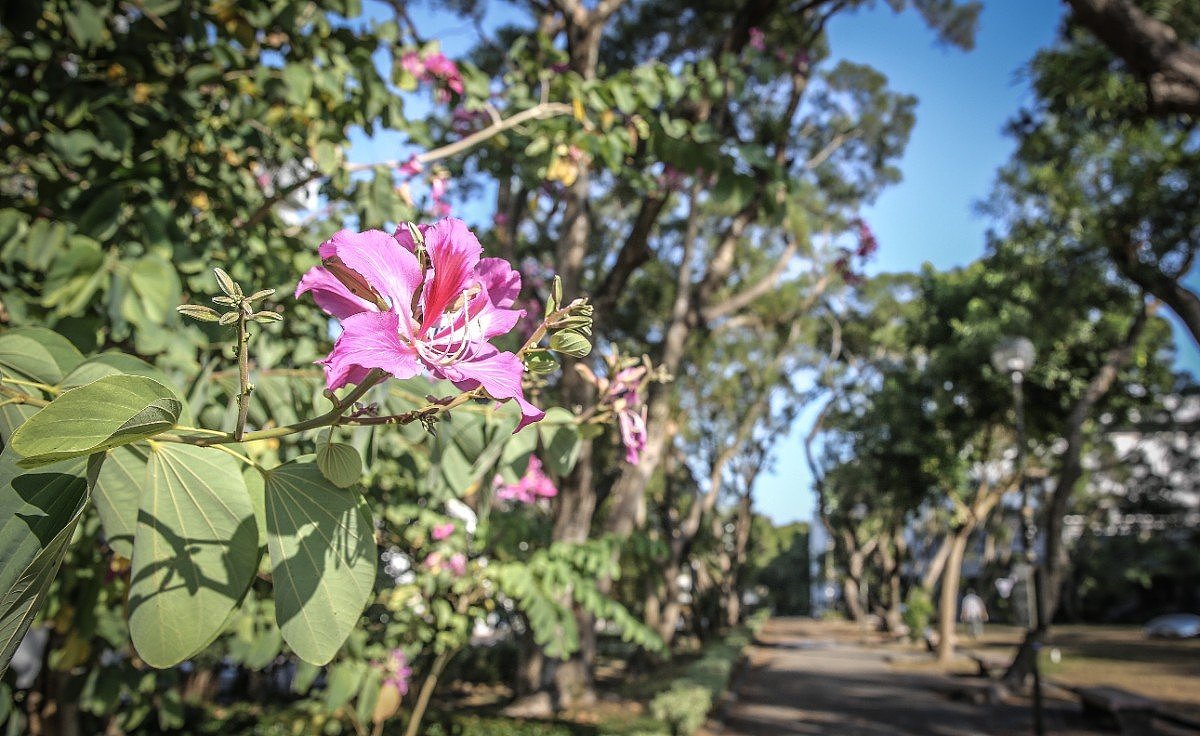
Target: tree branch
{"type": "Point", "coordinates": [1151, 48]}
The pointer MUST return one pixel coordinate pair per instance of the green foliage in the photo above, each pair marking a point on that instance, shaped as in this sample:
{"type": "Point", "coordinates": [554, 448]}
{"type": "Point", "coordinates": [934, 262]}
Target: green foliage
{"type": "Point", "coordinates": [779, 563]}
{"type": "Point", "coordinates": [684, 706]}
{"type": "Point", "coordinates": [918, 612]}
{"type": "Point", "coordinates": [109, 412]}
{"type": "Point", "coordinates": [340, 464]}
{"type": "Point", "coordinates": [40, 510]}
{"type": "Point", "coordinates": [195, 551]}
{"type": "Point", "coordinates": [321, 541]}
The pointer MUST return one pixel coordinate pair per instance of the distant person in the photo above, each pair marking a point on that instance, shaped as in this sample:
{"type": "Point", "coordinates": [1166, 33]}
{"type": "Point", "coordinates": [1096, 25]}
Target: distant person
{"type": "Point", "coordinates": [973, 613]}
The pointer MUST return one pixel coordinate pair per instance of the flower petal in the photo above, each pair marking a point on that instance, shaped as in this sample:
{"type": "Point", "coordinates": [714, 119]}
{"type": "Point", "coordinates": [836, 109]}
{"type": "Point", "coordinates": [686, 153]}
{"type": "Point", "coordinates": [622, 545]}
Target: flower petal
{"type": "Point", "coordinates": [500, 375]}
{"type": "Point", "coordinates": [453, 254]}
{"type": "Point", "coordinates": [331, 295]}
{"type": "Point", "coordinates": [389, 268]}
{"type": "Point", "coordinates": [369, 340]}
{"type": "Point", "coordinates": [501, 281]}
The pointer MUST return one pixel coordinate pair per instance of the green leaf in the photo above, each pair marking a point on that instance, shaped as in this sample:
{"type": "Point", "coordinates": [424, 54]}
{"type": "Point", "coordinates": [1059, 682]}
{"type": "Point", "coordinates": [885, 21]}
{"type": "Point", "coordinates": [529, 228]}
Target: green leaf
{"type": "Point", "coordinates": [540, 361]}
{"type": "Point", "coordinates": [40, 509]}
{"type": "Point", "coordinates": [37, 354]}
{"type": "Point", "coordinates": [13, 416]}
{"type": "Point", "coordinates": [121, 364]}
{"type": "Point", "coordinates": [560, 440]}
{"type": "Point", "coordinates": [298, 78]}
{"type": "Point", "coordinates": [515, 458]}
{"type": "Point", "coordinates": [571, 343]}
{"type": "Point", "coordinates": [345, 678]}
{"type": "Point", "coordinates": [306, 675]}
{"type": "Point", "coordinates": [322, 545]}
{"type": "Point", "coordinates": [99, 220]}
{"type": "Point", "coordinates": [108, 412]}
{"type": "Point", "coordinates": [368, 694]}
{"type": "Point", "coordinates": [340, 464]}
{"type": "Point", "coordinates": [623, 96]}
{"type": "Point", "coordinates": [258, 499]}
{"type": "Point", "coordinates": [74, 277]}
{"type": "Point", "coordinates": [85, 24]}
{"type": "Point", "coordinates": [118, 494]}
{"type": "Point", "coordinates": [194, 554]}
{"type": "Point", "coordinates": [156, 284]}
{"type": "Point", "coordinates": [327, 157]}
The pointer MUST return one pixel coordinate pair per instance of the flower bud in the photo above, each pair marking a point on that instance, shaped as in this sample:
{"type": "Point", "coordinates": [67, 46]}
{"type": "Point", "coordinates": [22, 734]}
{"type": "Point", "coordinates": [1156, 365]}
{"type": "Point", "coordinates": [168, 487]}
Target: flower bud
{"type": "Point", "coordinates": [228, 285]}
{"type": "Point", "coordinates": [197, 311]}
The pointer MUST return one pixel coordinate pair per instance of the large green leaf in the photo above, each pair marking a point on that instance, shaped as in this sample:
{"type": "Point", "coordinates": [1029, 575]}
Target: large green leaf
{"type": "Point", "coordinates": [116, 364]}
{"type": "Point", "coordinates": [13, 416]}
{"type": "Point", "coordinates": [194, 554]}
{"type": "Point", "coordinates": [322, 545]}
{"type": "Point", "coordinates": [39, 510]}
{"type": "Point", "coordinates": [109, 412]}
{"type": "Point", "coordinates": [118, 493]}
{"type": "Point", "coordinates": [37, 354]}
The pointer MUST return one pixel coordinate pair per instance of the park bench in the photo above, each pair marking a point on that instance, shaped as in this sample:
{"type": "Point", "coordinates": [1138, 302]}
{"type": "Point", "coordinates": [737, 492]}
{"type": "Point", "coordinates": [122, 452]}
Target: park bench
{"type": "Point", "coordinates": [1130, 712]}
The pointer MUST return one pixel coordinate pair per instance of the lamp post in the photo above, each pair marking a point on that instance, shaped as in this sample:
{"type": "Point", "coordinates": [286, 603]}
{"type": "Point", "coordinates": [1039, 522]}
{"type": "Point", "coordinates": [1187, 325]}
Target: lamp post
{"type": "Point", "coordinates": [1014, 356]}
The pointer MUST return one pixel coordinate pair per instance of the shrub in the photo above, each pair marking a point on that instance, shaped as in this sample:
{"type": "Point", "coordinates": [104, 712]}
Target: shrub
{"type": "Point", "coordinates": [683, 708]}
{"type": "Point", "coordinates": [918, 612]}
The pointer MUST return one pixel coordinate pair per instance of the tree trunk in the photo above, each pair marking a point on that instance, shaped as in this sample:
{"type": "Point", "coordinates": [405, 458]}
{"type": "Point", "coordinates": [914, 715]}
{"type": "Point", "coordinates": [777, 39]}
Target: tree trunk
{"type": "Point", "coordinates": [948, 600]}
{"type": "Point", "coordinates": [574, 508]}
{"type": "Point", "coordinates": [891, 556]}
{"type": "Point", "coordinates": [1070, 471]}
{"type": "Point", "coordinates": [531, 663]}
{"type": "Point", "coordinates": [741, 542]}
{"type": "Point", "coordinates": [937, 565]}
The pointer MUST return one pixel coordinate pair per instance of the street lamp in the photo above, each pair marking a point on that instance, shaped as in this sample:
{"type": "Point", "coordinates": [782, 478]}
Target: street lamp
{"type": "Point", "coordinates": [1015, 356]}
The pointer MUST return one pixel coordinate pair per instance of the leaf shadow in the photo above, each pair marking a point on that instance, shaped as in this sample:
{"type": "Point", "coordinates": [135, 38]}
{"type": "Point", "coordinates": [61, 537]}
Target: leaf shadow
{"type": "Point", "coordinates": [179, 571]}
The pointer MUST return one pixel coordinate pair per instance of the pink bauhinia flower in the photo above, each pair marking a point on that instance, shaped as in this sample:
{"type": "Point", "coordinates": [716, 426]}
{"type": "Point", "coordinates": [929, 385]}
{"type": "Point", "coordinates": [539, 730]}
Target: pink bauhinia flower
{"type": "Point", "coordinates": [406, 309]}
{"type": "Point", "coordinates": [758, 40]}
{"type": "Point", "coordinates": [533, 485]}
{"type": "Point", "coordinates": [442, 531]}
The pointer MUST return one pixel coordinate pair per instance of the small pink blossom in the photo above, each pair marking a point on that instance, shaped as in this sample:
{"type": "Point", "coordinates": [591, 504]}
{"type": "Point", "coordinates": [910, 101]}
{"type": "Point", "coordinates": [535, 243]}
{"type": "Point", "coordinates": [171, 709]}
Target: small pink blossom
{"type": "Point", "coordinates": [456, 563]}
{"type": "Point", "coordinates": [532, 486]}
{"type": "Point", "coordinates": [633, 433]}
{"type": "Point", "coordinates": [499, 219]}
{"type": "Point", "coordinates": [622, 393]}
{"type": "Point", "coordinates": [437, 192]}
{"type": "Point", "coordinates": [410, 61]}
{"type": "Point", "coordinates": [412, 166]}
{"type": "Point", "coordinates": [442, 531]}
{"type": "Point", "coordinates": [438, 66]}
{"type": "Point", "coordinates": [396, 671]}
{"type": "Point", "coordinates": [406, 309]}
{"type": "Point", "coordinates": [758, 40]}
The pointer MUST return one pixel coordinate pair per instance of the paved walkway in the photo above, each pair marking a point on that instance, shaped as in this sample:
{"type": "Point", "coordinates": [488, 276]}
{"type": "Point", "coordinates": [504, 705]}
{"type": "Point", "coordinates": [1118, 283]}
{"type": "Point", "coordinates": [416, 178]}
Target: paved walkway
{"type": "Point", "coordinates": [809, 677]}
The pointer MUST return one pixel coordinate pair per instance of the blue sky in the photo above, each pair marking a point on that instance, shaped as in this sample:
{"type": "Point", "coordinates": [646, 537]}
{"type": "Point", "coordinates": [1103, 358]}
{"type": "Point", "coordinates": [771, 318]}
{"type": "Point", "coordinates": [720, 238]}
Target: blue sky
{"type": "Point", "coordinates": [951, 161]}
